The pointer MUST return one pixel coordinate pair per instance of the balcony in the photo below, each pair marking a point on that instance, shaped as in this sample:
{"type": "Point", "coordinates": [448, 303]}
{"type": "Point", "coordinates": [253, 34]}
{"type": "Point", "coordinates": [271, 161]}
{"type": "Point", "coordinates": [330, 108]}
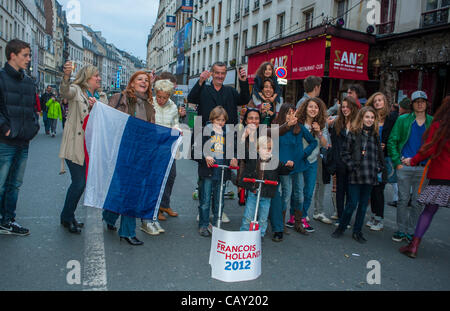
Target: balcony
{"type": "Point", "coordinates": [246, 11]}
{"type": "Point", "coordinates": [435, 17]}
{"type": "Point", "coordinates": [267, 2]}
{"type": "Point", "coordinates": [228, 22]}
{"type": "Point", "coordinates": [237, 16]}
{"type": "Point", "coordinates": [218, 27]}
{"type": "Point", "coordinates": [385, 28]}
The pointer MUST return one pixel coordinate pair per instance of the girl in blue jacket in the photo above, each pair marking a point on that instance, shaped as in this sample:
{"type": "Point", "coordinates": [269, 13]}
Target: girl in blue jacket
{"type": "Point", "coordinates": [291, 149]}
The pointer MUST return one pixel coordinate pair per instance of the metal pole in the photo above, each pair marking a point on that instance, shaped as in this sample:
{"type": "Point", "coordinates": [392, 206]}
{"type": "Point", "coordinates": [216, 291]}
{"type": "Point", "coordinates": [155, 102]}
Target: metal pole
{"type": "Point", "coordinates": [219, 219]}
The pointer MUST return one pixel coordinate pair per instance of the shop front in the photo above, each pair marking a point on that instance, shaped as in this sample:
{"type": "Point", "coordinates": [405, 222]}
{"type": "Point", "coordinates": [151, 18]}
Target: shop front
{"type": "Point", "coordinates": [339, 56]}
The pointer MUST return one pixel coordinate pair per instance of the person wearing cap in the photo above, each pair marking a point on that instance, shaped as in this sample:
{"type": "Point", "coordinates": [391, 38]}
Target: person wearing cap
{"type": "Point", "coordinates": [404, 142]}
{"type": "Point", "coordinates": [404, 106]}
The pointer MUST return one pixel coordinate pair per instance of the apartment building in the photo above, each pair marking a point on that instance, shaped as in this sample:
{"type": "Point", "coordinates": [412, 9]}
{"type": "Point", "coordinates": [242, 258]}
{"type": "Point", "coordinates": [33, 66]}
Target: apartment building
{"type": "Point", "coordinates": [160, 43]}
{"type": "Point", "coordinates": [413, 49]}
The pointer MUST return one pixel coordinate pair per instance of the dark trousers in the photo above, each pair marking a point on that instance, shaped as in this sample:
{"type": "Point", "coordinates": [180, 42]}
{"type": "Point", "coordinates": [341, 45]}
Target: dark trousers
{"type": "Point", "coordinates": [75, 191]}
{"type": "Point", "coordinates": [165, 201]}
{"type": "Point", "coordinates": [342, 194]}
{"type": "Point", "coordinates": [359, 199]}
{"type": "Point", "coordinates": [46, 122]}
{"type": "Point", "coordinates": [377, 200]}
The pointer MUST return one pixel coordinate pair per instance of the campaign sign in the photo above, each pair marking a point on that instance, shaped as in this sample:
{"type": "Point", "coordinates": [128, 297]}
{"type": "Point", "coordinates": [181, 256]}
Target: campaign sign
{"type": "Point", "coordinates": [235, 256]}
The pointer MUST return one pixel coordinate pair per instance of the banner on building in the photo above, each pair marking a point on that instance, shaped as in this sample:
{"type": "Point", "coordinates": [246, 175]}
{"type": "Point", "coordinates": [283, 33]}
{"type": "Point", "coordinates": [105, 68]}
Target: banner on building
{"type": "Point", "coordinates": [235, 256]}
{"type": "Point", "coordinates": [187, 6]}
{"type": "Point", "coordinates": [171, 21]}
{"type": "Point", "coordinates": [349, 59]}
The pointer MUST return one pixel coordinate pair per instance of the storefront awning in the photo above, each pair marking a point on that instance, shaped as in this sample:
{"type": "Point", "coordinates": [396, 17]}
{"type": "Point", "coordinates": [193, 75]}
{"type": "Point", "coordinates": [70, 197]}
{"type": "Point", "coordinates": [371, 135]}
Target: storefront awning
{"type": "Point", "coordinates": [308, 56]}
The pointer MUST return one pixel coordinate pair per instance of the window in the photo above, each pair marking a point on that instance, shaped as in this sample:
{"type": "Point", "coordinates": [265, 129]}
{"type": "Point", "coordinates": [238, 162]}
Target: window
{"type": "Point", "coordinates": [211, 55]}
{"type": "Point", "coordinates": [227, 47]}
{"type": "Point", "coordinates": [388, 11]}
{"type": "Point", "coordinates": [436, 12]}
{"type": "Point", "coordinates": [217, 51]}
{"type": "Point", "coordinates": [255, 35]}
{"type": "Point", "coordinates": [309, 16]}
{"type": "Point", "coordinates": [266, 25]}
{"type": "Point", "coordinates": [341, 10]}
{"type": "Point", "coordinates": [213, 13]}
{"type": "Point", "coordinates": [246, 6]}
{"type": "Point", "coordinates": [228, 12]}
{"type": "Point", "coordinates": [219, 16]}
{"type": "Point", "coordinates": [235, 46]}
{"type": "Point", "coordinates": [280, 24]}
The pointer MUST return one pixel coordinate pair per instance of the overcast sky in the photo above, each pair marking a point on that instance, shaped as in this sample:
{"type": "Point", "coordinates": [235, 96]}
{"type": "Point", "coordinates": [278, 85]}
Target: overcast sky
{"type": "Point", "coordinates": [124, 23]}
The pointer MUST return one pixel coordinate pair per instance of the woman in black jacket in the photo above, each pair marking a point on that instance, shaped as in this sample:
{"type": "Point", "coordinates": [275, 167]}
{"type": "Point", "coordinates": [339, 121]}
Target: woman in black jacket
{"type": "Point", "coordinates": [338, 132]}
{"type": "Point", "coordinates": [386, 121]}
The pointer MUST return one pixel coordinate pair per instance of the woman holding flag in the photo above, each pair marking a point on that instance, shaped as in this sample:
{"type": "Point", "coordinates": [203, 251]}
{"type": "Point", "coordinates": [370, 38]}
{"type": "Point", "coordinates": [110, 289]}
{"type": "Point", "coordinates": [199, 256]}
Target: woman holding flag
{"type": "Point", "coordinates": [81, 94]}
{"type": "Point", "coordinates": [136, 101]}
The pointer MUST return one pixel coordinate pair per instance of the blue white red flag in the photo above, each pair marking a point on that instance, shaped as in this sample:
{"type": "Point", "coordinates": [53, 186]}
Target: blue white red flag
{"type": "Point", "coordinates": [129, 162]}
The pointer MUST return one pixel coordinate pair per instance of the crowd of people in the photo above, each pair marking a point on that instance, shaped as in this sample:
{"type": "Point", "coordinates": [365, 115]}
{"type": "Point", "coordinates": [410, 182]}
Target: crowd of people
{"type": "Point", "coordinates": [358, 145]}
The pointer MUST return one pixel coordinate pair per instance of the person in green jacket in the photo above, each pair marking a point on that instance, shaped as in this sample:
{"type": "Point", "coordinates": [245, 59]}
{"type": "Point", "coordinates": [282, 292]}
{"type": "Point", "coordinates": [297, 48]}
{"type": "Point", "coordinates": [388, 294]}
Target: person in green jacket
{"type": "Point", "coordinates": [404, 142]}
{"type": "Point", "coordinates": [54, 113]}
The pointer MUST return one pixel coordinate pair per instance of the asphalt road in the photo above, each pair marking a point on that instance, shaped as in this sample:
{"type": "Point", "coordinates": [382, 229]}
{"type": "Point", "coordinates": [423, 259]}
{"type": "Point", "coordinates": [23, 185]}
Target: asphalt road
{"type": "Point", "coordinates": [178, 259]}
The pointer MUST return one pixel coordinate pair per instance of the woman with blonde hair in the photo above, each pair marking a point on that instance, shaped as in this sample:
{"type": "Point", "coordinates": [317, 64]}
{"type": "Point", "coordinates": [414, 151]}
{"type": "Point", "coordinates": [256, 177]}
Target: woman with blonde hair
{"type": "Point", "coordinates": [363, 156]}
{"type": "Point", "coordinates": [81, 94]}
{"type": "Point", "coordinates": [137, 101]}
{"type": "Point", "coordinates": [386, 122]}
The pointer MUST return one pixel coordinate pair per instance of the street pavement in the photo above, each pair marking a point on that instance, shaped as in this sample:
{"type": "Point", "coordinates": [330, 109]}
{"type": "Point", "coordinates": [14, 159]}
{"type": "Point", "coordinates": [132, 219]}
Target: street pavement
{"type": "Point", "coordinates": [178, 259]}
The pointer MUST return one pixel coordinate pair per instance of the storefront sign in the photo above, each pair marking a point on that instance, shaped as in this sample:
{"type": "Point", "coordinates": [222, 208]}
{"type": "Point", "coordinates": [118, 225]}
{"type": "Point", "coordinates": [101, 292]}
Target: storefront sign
{"type": "Point", "coordinates": [309, 59]}
{"type": "Point", "coordinates": [348, 59]}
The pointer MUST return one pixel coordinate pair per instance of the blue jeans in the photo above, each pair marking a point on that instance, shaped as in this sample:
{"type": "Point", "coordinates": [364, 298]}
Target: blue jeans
{"type": "Point", "coordinates": [276, 212]}
{"type": "Point", "coordinates": [309, 179]}
{"type": "Point", "coordinates": [127, 224]}
{"type": "Point", "coordinates": [46, 121]}
{"type": "Point", "coordinates": [75, 191]}
{"type": "Point", "coordinates": [13, 161]}
{"type": "Point", "coordinates": [359, 198]}
{"type": "Point", "coordinates": [208, 186]}
{"type": "Point", "coordinates": [292, 188]}
{"type": "Point", "coordinates": [250, 209]}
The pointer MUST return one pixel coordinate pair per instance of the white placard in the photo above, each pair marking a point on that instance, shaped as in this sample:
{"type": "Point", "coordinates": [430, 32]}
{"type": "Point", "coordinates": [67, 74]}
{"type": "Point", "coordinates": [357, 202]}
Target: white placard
{"type": "Point", "coordinates": [235, 256]}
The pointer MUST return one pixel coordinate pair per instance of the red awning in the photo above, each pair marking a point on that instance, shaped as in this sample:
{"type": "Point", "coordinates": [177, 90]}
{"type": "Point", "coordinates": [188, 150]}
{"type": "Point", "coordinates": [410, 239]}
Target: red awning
{"type": "Point", "coordinates": [309, 59]}
{"type": "Point", "coordinates": [349, 59]}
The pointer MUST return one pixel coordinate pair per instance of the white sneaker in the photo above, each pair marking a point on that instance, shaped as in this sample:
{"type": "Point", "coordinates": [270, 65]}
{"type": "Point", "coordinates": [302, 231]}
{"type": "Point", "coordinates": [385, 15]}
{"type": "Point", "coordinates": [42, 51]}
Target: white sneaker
{"type": "Point", "coordinates": [198, 217]}
{"type": "Point", "coordinates": [158, 227]}
{"type": "Point", "coordinates": [337, 225]}
{"type": "Point", "coordinates": [371, 222]}
{"type": "Point", "coordinates": [334, 217]}
{"type": "Point", "coordinates": [210, 228]}
{"type": "Point", "coordinates": [225, 218]}
{"type": "Point", "coordinates": [150, 228]}
{"type": "Point", "coordinates": [321, 217]}
{"type": "Point", "coordinates": [377, 226]}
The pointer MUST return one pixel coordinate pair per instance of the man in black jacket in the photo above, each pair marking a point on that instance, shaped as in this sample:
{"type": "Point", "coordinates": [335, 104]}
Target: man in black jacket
{"type": "Point", "coordinates": [44, 99]}
{"type": "Point", "coordinates": [207, 97]}
{"type": "Point", "coordinates": [18, 125]}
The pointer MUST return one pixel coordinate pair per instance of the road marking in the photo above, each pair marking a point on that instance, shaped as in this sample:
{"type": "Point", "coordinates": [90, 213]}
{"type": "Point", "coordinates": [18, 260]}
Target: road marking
{"type": "Point", "coordinates": [94, 267]}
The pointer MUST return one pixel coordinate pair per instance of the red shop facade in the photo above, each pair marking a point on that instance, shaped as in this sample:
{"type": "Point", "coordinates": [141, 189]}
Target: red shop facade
{"type": "Point", "coordinates": [339, 56]}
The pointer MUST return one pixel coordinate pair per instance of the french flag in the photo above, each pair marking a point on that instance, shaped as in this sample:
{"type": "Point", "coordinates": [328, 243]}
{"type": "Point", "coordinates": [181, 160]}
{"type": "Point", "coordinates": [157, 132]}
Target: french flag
{"type": "Point", "coordinates": [129, 162]}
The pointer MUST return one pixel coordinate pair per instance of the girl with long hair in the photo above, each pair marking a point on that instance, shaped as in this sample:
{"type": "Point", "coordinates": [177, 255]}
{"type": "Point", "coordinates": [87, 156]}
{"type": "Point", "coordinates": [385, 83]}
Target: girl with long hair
{"type": "Point", "coordinates": [437, 193]}
{"type": "Point", "coordinates": [386, 122]}
{"type": "Point", "coordinates": [312, 114]}
{"type": "Point", "coordinates": [137, 101]}
{"type": "Point", "coordinates": [265, 71]}
{"type": "Point", "coordinates": [364, 159]}
{"type": "Point", "coordinates": [291, 149]}
{"type": "Point", "coordinates": [338, 134]}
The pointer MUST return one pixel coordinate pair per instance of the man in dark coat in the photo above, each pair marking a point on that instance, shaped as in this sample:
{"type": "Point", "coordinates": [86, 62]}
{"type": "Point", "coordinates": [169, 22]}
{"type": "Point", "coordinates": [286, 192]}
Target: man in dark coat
{"type": "Point", "coordinates": [208, 96]}
{"type": "Point", "coordinates": [19, 124]}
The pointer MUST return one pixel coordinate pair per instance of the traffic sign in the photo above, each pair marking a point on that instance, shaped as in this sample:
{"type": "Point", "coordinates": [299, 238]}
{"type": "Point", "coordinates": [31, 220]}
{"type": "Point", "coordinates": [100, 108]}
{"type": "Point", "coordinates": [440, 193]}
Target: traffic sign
{"type": "Point", "coordinates": [281, 72]}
